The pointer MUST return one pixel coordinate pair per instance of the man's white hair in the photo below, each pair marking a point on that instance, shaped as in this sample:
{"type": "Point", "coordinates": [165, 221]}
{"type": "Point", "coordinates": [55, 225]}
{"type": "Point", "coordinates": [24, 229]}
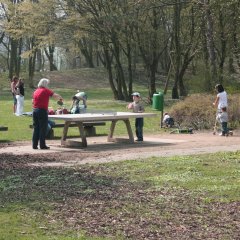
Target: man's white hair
{"type": "Point", "coordinates": [43, 82]}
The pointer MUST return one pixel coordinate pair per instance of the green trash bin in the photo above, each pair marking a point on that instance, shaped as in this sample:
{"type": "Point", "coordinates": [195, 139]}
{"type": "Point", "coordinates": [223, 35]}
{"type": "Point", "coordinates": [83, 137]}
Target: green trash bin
{"type": "Point", "coordinates": [158, 101]}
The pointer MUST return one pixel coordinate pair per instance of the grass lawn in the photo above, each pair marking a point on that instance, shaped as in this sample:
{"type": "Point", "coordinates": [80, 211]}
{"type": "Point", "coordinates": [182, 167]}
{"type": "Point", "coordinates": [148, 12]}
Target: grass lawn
{"type": "Point", "coordinates": [190, 197]}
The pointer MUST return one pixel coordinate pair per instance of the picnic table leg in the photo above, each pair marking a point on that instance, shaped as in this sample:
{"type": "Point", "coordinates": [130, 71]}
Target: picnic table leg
{"type": "Point", "coordinates": [112, 127]}
{"type": "Point", "coordinates": [82, 134]}
{"type": "Point", "coordinates": [129, 129]}
{"type": "Point", "coordinates": [65, 131]}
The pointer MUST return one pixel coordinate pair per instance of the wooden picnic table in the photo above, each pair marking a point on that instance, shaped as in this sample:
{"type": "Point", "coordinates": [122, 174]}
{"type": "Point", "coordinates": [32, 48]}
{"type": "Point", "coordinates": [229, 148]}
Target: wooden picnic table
{"type": "Point", "coordinates": [79, 120]}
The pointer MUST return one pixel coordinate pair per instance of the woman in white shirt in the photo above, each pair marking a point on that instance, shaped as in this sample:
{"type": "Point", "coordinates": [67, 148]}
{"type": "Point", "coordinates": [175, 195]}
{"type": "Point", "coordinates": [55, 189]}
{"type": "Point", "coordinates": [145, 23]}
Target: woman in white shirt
{"type": "Point", "coordinates": [221, 99]}
{"type": "Point", "coordinates": [20, 97]}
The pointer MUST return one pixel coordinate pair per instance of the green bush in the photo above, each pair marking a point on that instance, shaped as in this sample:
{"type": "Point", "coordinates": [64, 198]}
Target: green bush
{"type": "Point", "coordinates": [198, 112]}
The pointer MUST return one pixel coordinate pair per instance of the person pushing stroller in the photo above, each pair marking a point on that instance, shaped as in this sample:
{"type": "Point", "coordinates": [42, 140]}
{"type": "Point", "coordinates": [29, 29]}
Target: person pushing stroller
{"type": "Point", "coordinates": [221, 102]}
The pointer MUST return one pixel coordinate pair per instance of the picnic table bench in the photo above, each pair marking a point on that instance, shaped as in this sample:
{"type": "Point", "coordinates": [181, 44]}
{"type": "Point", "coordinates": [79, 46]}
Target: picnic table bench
{"type": "Point", "coordinates": [3, 128]}
{"type": "Point", "coordinates": [89, 128]}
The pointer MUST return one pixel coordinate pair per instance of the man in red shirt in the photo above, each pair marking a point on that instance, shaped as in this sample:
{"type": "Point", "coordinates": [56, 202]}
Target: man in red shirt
{"type": "Point", "coordinates": [40, 113]}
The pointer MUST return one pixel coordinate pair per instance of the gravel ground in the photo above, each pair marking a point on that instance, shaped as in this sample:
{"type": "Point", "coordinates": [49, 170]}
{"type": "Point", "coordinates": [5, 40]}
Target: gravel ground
{"type": "Point", "coordinates": [100, 151]}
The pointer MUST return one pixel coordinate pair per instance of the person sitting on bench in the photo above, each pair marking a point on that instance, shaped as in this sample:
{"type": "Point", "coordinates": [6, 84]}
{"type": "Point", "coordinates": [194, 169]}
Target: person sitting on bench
{"type": "Point", "coordinates": [49, 133]}
{"type": "Point", "coordinates": [168, 121]}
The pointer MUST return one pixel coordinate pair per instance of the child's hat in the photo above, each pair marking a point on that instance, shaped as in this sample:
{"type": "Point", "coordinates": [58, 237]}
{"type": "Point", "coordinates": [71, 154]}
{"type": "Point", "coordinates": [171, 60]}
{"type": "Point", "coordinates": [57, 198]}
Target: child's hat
{"type": "Point", "coordinates": [136, 94]}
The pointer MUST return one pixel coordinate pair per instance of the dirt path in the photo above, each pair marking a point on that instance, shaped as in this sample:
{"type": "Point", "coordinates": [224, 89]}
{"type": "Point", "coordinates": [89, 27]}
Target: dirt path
{"type": "Point", "coordinates": [99, 151]}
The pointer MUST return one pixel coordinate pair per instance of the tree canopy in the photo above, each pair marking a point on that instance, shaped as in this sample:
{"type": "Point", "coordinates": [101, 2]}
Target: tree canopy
{"type": "Point", "coordinates": [163, 37]}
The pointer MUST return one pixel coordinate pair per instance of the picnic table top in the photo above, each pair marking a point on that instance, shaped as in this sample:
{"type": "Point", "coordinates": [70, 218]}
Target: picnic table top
{"type": "Point", "coordinates": [100, 116]}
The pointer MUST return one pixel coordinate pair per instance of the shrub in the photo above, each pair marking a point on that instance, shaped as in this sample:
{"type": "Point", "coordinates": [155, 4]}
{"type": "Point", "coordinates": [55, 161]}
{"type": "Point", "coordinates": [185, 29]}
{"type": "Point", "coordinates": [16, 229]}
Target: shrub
{"type": "Point", "coordinates": [198, 112]}
{"type": "Point", "coordinates": [234, 110]}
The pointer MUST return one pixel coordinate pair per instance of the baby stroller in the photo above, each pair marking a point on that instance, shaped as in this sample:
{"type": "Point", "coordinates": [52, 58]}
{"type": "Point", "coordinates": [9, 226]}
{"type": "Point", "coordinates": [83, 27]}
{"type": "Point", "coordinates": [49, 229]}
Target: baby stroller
{"type": "Point", "coordinates": [218, 130]}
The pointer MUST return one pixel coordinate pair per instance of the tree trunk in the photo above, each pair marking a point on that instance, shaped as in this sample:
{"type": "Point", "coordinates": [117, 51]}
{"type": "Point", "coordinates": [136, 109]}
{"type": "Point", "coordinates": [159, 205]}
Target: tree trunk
{"type": "Point", "coordinates": [18, 60]}
{"type": "Point", "coordinates": [207, 78]}
{"type": "Point", "coordinates": [39, 65]}
{"type": "Point", "coordinates": [234, 31]}
{"type": "Point", "coordinates": [177, 22]}
{"type": "Point", "coordinates": [49, 53]}
{"type": "Point", "coordinates": [120, 78]}
{"type": "Point", "coordinates": [222, 51]}
{"type": "Point", "coordinates": [31, 69]}
{"type": "Point", "coordinates": [231, 68]}
{"type": "Point", "coordinates": [108, 65]}
{"type": "Point", "coordinates": [130, 72]}
{"type": "Point", "coordinates": [168, 79]}
{"type": "Point", "coordinates": [13, 58]}
{"type": "Point", "coordinates": [182, 89]}
{"type": "Point", "coordinates": [210, 42]}
{"type": "Point", "coordinates": [86, 49]}
{"type": "Point", "coordinates": [175, 94]}
{"type": "Point", "coordinates": [152, 77]}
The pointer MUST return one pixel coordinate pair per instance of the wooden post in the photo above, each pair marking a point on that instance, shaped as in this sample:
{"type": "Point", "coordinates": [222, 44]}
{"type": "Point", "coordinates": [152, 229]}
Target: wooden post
{"type": "Point", "coordinates": [161, 120]}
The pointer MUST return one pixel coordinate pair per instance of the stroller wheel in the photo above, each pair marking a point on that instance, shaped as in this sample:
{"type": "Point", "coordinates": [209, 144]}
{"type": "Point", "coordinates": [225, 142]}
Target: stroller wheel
{"type": "Point", "coordinates": [214, 133]}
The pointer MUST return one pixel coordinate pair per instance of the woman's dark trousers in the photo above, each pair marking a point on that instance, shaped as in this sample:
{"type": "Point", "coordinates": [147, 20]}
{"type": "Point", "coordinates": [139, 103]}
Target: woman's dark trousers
{"type": "Point", "coordinates": [40, 124]}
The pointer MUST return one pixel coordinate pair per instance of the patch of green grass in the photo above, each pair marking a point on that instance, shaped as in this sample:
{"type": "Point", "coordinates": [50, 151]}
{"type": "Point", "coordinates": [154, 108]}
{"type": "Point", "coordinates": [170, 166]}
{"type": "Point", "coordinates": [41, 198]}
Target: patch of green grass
{"type": "Point", "coordinates": [58, 203]}
{"type": "Point", "coordinates": [29, 196]}
{"type": "Point", "coordinates": [216, 175]}
{"type": "Point", "coordinates": [24, 224]}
